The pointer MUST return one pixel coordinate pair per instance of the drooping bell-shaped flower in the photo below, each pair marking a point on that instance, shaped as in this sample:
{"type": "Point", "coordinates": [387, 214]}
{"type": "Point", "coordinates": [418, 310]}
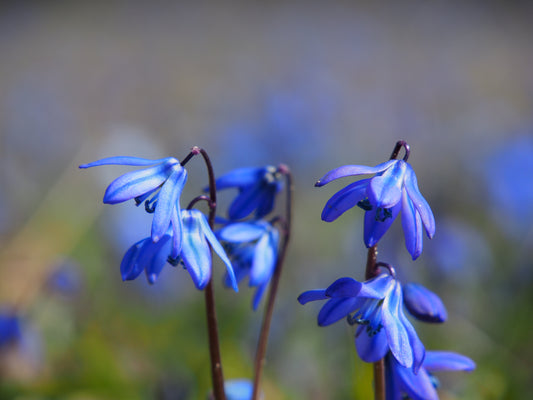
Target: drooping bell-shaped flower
{"type": "Point", "coordinates": [257, 190]}
{"type": "Point", "coordinates": [423, 304]}
{"type": "Point", "coordinates": [253, 249]}
{"type": "Point", "coordinates": [393, 188]}
{"type": "Point", "coordinates": [401, 382]}
{"type": "Point", "coordinates": [195, 255]}
{"type": "Point", "coordinates": [159, 186]}
{"type": "Point", "coordinates": [377, 307]}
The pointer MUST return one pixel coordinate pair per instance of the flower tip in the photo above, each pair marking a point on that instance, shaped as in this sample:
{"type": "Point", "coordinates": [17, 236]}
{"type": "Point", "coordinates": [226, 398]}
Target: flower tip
{"type": "Point", "coordinates": [318, 183]}
{"type": "Point", "coordinates": [152, 278]}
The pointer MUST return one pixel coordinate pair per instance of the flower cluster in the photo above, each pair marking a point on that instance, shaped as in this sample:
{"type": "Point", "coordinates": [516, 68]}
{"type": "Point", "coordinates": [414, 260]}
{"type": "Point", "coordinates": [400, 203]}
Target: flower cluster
{"type": "Point", "coordinates": [377, 305]}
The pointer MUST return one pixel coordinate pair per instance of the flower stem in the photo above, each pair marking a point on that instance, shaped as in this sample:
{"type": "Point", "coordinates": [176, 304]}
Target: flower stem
{"type": "Point", "coordinates": [212, 327]}
{"type": "Point", "coordinates": [269, 308]}
{"type": "Point", "coordinates": [372, 270]}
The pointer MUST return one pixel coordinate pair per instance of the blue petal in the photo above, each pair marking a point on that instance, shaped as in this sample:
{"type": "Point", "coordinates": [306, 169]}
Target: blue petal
{"type": "Point", "coordinates": [158, 259]}
{"type": "Point", "coordinates": [246, 201]}
{"type": "Point", "coordinates": [378, 287]}
{"type": "Point", "coordinates": [397, 335]}
{"type": "Point", "coordinates": [136, 183]}
{"type": "Point", "coordinates": [265, 203]}
{"type": "Point", "coordinates": [392, 384]}
{"type": "Point", "coordinates": [385, 190]}
{"type": "Point", "coordinates": [239, 232]}
{"type": "Point", "coordinates": [374, 228]}
{"type": "Point", "coordinates": [344, 199]}
{"type": "Point", "coordinates": [125, 160]}
{"type": "Point", "coordinates": [258, 294]}
{"type": "Point", "coordinates": [238, 389]}
{"type": "Point", "coordinates": [129, 269]}
{"type": "Point", "coordinates": [265, 257]}
{"type": "Point", "coordinates": [419, 202]}
{"type": "Point", "coordinates": [412, 227]}
{"type": "Point", "coordinates": [371, 348]}
{"type": "Point", "coordinates": [195, 251]}
{"type": "Point", "coordinates": [336, 309]}
{"type": "Point", "coordinates": [417, 386]}
{"type": "Point", "coordinates": [344, 287]}
{"type": "Point", "coordinates": [217, 247]}
{"type": "Point", "coordinates": [312, 295]}
{"type": "Point", "coordinates": [177, 231]}
{"type": "Point", "coordinates": [417, 347]}
{"type": "Point", "coordinates": [352, 170]}
{"type": "Point", "coordinates": [166, 201]}
{"type": "Point", "coordinates": [423, 304]}
{"type": "Point", "coordinates": [240, 177]}
{"type": "Point", "coordinates": [447, 361]}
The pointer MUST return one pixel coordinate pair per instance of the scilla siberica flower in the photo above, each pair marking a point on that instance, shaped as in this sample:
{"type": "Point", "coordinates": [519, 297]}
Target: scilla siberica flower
{"type": "Point", "coordinates": [401, 382]}
{"type": "Point", "coordinates": [253, 249]}
{"type": "Point", "coordinates": [423, 304]}
{"type": "Point", "coordinates": [159, 186]}
{"type": "Point", "coordinates": [195, 253]}
{"type": "Point", "coordinates": [257, 190]}
{"type": "Point", "coordinates": [394, 188]}
{"type": "Point", "coordinates": [377, 307]}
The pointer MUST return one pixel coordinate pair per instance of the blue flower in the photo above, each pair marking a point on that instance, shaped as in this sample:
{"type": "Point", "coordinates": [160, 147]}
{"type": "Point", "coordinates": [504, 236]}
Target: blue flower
{"type": "Point", "coordinates": [402, 381]}
{"type": "Point", "coordinates": [377, 307]}
{"type": "Point", "coordinates": [10, 328]}
{"type": "Point", "coordinates": [257, 190]}
{"type": "Point", "coordinates": [423, 304]}
{"type": "Point", "coordinates": [195, 253]}
{"type": "Point", "coordinates": [253, 248]}
{"type": "Point", "coordinates": [159, 186]}
{"type": "Point", "coordinates": [394, 188]}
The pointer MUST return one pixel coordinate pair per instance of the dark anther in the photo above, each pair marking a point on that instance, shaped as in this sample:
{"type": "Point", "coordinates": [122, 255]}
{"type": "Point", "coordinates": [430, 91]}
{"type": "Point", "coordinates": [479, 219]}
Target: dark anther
{"type": "Point", "coordinates": [353, 320]}
{"type": "Point", "coordinates": [138, 201]}
{"type": "Point", "coordinates": [398, 147]}
{"type": "Point", "coordinates": [173, 261]}
{"type": "Point", "coordinates": [383, 213]}
{"type": "Point", "coordinates": [150, 207]}
{"type": "Point", "coordinates": [365, 204]}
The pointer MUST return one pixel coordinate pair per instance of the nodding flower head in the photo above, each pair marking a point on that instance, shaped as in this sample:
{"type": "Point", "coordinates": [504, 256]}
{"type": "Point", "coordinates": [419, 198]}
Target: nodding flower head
{"type": "Point", "coordinates": [376, 306]}
{"type": "Point", "coordinates": [195, 253]}
{"type": "Point", "coordinates": [423, 304]}
{"type": "Point", "coordinates": [393, 188]}
{"type": "Point", "coordinates": [158, 186]}
{"type": "Point", "coordinates": [401, 381]}
{"type": "Point", "coordinates": [253, 248]}
{"type": "Point", "coordinates": [257, 190]}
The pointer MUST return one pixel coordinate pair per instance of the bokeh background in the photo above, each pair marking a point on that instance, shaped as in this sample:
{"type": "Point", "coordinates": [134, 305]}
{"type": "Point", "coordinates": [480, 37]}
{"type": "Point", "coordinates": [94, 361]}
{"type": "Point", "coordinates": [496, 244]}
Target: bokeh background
{"type": "Point", "coordinates": [311, 84]}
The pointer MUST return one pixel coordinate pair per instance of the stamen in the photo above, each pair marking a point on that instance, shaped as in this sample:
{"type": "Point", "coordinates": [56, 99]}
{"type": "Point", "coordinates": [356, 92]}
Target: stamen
{"type": "Point", "coordinates": [150, 205]}
{"type": "Point", "coordinates": [383, 213]}
{"type": "Point", "coordinates": [365, 204]}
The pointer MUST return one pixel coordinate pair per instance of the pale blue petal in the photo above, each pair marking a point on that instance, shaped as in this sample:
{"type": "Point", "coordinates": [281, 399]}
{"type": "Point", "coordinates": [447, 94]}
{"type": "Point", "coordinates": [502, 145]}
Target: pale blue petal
{"type": "Point", "coordinates": [378, 287]}
{"type": "Point", "coordinates": [385, 190]}
{"type": "Point", "coordinates": [344, 199]}
{"type": "Point", "coordinates": [447, 361]}
{"type": "Point", "coordinates": [336, 309]}
{"type": "Point", "coordinates": [136, 183]}
{"type": "Point", "coordinates": [166, 201]}
{"type": "Point", "coordinates": [397, 335]}
{"type": "Point", "coordinates": [371, 348]}
{"type": "Point", "coordinates": [238, 389]}
{"type": "Point", "coordinates": [195, 251]}
{"type": "Point", "coordinates": [177, 231]}
{"type": "Point", "coordinates": [125, 160]}
{"type": "Point", "coordinates": [312, 295]}
{"type": "Point", "coordinates": [419, 202]}
{"type": "Point", "coordinates": [217, 247]}
{"type": "Point", "coordinates": [374, 229]}
{"type": "Point", "coordinates": [352, 170]}
{"type": "Point", "coordinates": [344, 287]}
{"type": "Point", "coordinates": [417, 347]}
{"type": "Point", "coordinates": [240, 232]}
{"type": "Point", "coordinates": [412, 227]}
{"type": "Point", "coordinates": [265, 257]}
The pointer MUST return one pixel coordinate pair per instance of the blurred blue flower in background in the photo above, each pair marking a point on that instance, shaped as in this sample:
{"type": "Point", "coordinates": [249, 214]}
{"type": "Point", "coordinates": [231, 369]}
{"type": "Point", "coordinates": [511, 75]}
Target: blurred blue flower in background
{"type": "Point", "coordinates": [257, 190]}
{"type": "Point", "coordinates": [394, 188]}
{"type": "Point", "coordinates": [253, 249]}
{"type": "Point", "coordinates": [10, 328]}
{"type": "Point", "coordinates": [377, 307]}
{"type": "Point", "coordinates": [65, 279]}
{"type": "Point", "coordinates": [402, 381]}
{"type": "Point", "coordinates": [159, 186]}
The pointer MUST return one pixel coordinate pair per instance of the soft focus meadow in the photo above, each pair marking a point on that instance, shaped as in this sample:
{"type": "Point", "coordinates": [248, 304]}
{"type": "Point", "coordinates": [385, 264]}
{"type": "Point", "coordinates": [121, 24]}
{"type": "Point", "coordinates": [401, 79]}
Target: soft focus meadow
{"type": "Point", "coordinates": [311, 84]}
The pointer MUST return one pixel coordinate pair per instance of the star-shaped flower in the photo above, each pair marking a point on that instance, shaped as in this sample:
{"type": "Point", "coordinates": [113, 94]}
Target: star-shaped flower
{"type": "Point", "coordinates": [257, 190]}
{"type": "Point", "coordinates": [159, 186]}
{"type": "Point", "coordinates": [393, 188]}
{"type": "Point", "coordinates": [401, 381]}
{"type": "Point", "coordinates": [253, 248]}
{"type": "Point", "coordinates": [195, 253]}
{"type": "Point", "coordinates": [376, 305]}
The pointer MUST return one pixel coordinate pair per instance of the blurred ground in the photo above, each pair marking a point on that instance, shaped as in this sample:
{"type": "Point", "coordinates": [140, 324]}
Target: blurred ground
{"type": "Point", "coordinates": [309, 84]}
